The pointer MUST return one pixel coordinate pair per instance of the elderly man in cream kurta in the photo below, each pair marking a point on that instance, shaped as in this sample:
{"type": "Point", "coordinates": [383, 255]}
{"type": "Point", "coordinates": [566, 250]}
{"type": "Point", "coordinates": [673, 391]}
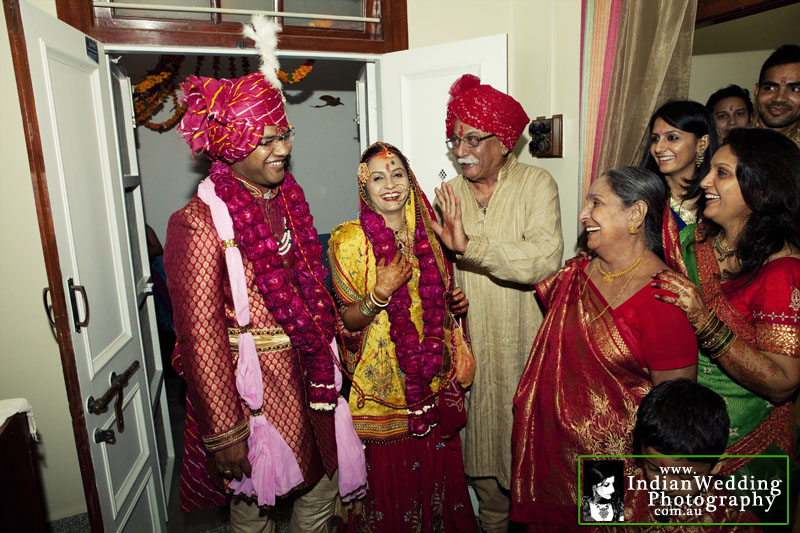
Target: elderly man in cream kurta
{"type": "Point", "coordinates": [502, 220]}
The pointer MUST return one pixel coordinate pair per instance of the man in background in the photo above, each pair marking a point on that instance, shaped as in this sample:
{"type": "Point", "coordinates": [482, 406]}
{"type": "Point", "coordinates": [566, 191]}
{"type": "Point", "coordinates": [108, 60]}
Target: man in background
{"type": "Point", "coordinates": [777, 93]}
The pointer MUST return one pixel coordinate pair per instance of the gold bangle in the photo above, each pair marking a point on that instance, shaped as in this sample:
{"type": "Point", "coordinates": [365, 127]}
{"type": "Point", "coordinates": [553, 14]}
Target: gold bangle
{"type": "Point", "coordinates": [238, 433]}
{"type": "Point", "coordinates": [375, 300]}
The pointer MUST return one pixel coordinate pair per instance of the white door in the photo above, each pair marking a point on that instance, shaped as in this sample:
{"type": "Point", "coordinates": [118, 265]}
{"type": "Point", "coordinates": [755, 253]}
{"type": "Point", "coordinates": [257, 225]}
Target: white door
{"type": "Point", "coordinates": [71, 85]}
{"type": "Point", "coordinates": [142, 277]}
{"type": "Point", "coordinates": [414, 87]}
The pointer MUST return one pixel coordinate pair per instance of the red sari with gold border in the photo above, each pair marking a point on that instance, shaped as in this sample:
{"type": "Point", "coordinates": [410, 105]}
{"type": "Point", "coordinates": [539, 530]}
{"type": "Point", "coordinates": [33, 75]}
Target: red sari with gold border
{"type": "Point", "coordinates": [585, 378]}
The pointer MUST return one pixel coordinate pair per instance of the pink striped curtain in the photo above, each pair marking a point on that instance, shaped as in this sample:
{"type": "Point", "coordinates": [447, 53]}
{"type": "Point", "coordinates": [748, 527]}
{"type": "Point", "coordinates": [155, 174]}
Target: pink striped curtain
{"type": "Point", "coordinates": [599, 28]}
{"type": "Point", "coordinates": [635, 55]}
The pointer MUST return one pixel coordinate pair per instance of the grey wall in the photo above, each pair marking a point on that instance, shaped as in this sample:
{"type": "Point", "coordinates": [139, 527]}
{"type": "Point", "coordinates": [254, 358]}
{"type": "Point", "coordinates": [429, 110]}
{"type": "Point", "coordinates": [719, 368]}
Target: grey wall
{"type": "Point", "coordinates": [324, 157]}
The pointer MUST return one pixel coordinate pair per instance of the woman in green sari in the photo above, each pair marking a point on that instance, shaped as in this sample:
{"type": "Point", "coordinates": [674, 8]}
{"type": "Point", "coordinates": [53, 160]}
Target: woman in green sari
{"type": "Point", "coordinates": [743, 260]}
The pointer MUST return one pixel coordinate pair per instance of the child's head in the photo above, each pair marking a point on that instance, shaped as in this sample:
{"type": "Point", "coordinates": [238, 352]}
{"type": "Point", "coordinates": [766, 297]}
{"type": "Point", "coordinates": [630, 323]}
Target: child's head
{"type": "Point", "coordinates": [682, 418]}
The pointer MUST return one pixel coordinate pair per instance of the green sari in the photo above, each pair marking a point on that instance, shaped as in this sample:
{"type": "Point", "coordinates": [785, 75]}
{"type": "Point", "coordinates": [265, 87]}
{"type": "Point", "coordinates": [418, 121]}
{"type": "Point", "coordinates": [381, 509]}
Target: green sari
{"type": "Point", "coordinates": [758, 427]}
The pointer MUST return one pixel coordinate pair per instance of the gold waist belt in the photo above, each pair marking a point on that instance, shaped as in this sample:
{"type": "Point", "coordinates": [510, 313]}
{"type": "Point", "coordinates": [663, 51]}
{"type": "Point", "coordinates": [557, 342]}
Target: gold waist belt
{"type": "Point", "coordinates": [266, 339]}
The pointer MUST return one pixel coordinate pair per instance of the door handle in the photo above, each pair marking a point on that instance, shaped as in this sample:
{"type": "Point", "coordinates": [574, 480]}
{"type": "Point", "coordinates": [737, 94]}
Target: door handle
{"type": "Point", "coordinates": [118, 383]}
{"type": "Point", "coordinates": [48, 307]}
{"type": "Point", "coordinates": [81, 289]}
{"type": "Point", "coordinates": [105, 435]}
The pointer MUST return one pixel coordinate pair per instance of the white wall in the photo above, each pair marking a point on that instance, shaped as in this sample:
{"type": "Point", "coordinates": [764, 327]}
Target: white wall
{"type": "Point", "coordinates": [29, 356]}
{"type": "Point", "coordinates": [543, 72]}
{"type": "Point", "coordinates": [715, 71]}
{"type": "Point", "coordinates": [324, 157]}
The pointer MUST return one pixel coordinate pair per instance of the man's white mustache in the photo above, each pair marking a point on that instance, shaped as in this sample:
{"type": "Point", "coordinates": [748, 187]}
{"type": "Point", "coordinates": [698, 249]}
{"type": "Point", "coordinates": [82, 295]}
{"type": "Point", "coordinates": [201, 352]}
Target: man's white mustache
{"type": "Point", "coordinates": [467, 161]}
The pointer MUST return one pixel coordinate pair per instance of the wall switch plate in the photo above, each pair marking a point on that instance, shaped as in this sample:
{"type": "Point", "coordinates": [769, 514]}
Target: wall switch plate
{"type": "Point", "coordinates": [546, 138]}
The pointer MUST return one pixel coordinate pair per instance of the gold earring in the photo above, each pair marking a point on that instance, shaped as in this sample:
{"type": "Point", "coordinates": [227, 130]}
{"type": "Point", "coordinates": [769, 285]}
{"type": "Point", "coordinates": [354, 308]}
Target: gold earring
{"type": "Point", "coordinates": [700, 155]}
{"type": "Point", "coordinates": [633, 230]}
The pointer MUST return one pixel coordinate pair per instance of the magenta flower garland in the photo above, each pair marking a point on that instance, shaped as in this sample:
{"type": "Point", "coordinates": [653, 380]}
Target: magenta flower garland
{"type": "Point", "coordinates": [419, 360]}
{"type": "Point", "coordinates": [305, 312]}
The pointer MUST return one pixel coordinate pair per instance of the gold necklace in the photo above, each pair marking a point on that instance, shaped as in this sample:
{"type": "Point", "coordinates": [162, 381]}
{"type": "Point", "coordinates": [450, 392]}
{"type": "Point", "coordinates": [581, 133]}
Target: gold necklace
{"type": "Point", "coordinates": [608, 277]}
{"type": "Point", "coordinates": [630, 270]}
{"type": "Point", "coordinates": [684, 213]}
{"type": "Point", "coordinates": [404, 245]}
{"type": "Point", "coordinates": [719, 247]}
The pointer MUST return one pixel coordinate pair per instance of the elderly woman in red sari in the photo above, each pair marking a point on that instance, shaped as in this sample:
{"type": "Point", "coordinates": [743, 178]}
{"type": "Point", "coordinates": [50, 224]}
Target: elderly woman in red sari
{"type": "Point", "coordinates": [394, 283]}
{"type": "Point", "coordinates": [605, 341]}
{"type": "Point", "coordinates": [743, 299]}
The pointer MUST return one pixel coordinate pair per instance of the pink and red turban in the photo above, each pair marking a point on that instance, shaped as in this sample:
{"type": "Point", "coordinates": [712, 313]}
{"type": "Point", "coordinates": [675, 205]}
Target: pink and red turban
{"type": "Point", "coordinates": [225, 118]}
{"type": "Point", "coordinates": [486, 108]}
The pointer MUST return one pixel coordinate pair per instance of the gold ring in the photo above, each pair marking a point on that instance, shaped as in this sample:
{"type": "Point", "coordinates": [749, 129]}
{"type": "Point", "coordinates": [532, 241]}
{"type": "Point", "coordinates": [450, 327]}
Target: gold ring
{"type": "Point", "coordinates": [228, 472]}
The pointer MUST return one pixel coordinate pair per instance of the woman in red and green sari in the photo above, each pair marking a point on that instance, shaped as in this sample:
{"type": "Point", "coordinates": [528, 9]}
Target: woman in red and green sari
{"type": "Point", "coordinates": [604, 342]}
{"type": "Point", "coordinates": [743, 299]}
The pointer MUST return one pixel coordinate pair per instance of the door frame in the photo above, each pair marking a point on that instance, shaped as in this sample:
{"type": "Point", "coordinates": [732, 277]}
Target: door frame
{"type": "Point", "coordinates": [30, 126]}
{"type": "Point", "coordinates": [31, 131]}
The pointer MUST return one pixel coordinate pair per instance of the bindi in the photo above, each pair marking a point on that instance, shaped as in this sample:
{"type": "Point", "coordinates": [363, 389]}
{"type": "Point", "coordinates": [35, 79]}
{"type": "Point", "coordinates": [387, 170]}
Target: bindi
{"type": "Point", "coordinates": [388, 168]}
{"type": "Point", "coordinates": [461, 130]}
{"type": "Point", "coordinates": [783, 80]}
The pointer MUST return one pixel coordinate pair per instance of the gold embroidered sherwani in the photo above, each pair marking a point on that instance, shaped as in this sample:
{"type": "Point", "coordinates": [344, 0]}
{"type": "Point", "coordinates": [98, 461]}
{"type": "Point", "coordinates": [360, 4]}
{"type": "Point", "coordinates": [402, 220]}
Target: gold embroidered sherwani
{"type": "Point", "coordinates": [203, 309]}
{"type": "Point", "coordinates": [515, 244]}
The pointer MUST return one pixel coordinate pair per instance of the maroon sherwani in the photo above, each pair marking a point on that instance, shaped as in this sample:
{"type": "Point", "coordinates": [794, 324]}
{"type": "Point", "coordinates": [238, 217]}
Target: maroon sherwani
{"type": "Point", "coordinates": [216, 417]}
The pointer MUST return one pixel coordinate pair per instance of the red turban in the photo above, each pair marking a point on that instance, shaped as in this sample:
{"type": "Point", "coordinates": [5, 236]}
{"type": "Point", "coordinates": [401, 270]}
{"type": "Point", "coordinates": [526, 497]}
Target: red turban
{"type": "Point", "coordinates": [486, 108]}
{"type": "Point", "coordinates": [225, 118]}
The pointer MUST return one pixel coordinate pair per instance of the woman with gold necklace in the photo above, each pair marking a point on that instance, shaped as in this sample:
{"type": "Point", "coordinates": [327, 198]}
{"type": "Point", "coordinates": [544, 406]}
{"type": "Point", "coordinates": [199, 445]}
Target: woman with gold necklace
{"type": "Point", "coordinates": [683, 138]}
{"type": "Point", "coordinates": [603, 343]}
{"type": "Point", "coordinates": [743, 299]}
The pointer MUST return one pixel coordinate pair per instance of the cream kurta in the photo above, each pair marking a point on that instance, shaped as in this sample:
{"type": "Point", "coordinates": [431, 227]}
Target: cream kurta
{"type": "Point", "coordinates": [517, 243]}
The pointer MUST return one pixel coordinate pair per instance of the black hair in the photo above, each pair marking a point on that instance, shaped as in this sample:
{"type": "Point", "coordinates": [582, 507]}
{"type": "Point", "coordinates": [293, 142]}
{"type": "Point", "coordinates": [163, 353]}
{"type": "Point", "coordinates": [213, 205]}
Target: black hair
{"type": "Point", "coordinates": [692, 117]}
{"type": "Point", "coordinates": [680, 417]}
{"type": "Point", "coordinates": [783, 55]}
{"type": "Point", "coordinates": [768, 172]}
{"type": "Point", "coordinates": [632, 184]}
{"type": "Point", "coordinates": [596, 471]}
{"type": "Point", "coordinates": [379, 147]}
{"type": "Point", "coordinates": [731, 91]}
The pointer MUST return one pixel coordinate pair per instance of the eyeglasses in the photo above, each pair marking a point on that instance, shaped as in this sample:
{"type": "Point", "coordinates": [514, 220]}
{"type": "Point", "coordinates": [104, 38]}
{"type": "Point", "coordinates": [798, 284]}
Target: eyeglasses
{"type": "Point", "coordinates": [286, 138]}
{"type": "Point", "coordinates": [472, 140]}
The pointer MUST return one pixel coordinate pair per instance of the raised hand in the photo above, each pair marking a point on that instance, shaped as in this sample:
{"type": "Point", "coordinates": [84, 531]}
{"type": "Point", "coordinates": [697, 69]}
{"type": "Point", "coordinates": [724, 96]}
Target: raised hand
{"type": "Point", "coordinates": [451, 232]}
{"type": "Point", "coordinates": [391, 276]}
{"type": "Point", "coordinates": [687, 296]}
